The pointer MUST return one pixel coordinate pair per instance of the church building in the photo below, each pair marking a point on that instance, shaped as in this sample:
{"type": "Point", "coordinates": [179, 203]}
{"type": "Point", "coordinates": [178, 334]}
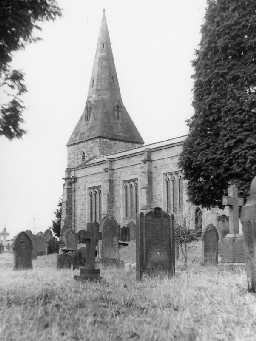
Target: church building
{"type": "Point", "coordinates": [109, 168]}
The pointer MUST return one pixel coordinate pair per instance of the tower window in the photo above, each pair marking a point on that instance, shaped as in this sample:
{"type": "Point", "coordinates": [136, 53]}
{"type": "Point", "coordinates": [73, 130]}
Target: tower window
{"type": "Point", "coordinates": [103, 45]}
{"type": "Point", "coordinates": [92, 83]}
{"type": "Point", "coordinates": [113, 79]}
{"type": "Point", "coordinates": [117, 111]}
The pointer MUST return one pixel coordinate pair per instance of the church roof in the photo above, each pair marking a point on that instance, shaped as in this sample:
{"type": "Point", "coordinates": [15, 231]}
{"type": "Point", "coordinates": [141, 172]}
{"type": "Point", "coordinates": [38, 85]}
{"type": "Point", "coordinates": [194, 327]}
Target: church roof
{"type": "Point", "coordinates": [105, 114]}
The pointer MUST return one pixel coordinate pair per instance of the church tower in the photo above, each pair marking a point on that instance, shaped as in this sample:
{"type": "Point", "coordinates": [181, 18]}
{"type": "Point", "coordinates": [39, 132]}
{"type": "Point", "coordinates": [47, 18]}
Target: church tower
{"type": "Point", "coordinates": [105, 126]}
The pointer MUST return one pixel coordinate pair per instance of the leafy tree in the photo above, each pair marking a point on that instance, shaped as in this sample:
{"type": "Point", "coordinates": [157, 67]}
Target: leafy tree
{"type": "Point", "coordinates": [19, 20]}
{"type": "Point", "coordinates": [57, 221]}
{"type": "Point", "coordinates": [221, 144]}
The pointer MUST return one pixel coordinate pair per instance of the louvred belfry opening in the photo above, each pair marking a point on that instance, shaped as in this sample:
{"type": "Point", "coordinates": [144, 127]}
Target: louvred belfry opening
{"type": "Point", "coordinates": [105, 115]}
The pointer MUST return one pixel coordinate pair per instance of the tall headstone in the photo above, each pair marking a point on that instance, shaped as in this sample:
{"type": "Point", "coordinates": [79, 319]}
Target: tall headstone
{"type": "Point", "coordinates": [32, 237]}
{"type": "Point", "coordinates": [22, 252]}
{"type": "Point", "coordinates": [248, 218]}
{"type": "Point", "coordinates": [210, 240]}
{"type": "Point", "coordinates": [70, 239]}
{"type": "Point", "coordinates": [91, 238]}
{"type": "Point", "coordinates": [155, 244]}
{"type": "Point", "coordinates": [132, 230]}
{"type": "Point", "coordinates": [124, 234]}
{"type": "Point", "coordinates": [110, 237]}
{"type": "Point", "coordinates": [223, 225]}
{"type": "Point", "coordinates": [233, 243]}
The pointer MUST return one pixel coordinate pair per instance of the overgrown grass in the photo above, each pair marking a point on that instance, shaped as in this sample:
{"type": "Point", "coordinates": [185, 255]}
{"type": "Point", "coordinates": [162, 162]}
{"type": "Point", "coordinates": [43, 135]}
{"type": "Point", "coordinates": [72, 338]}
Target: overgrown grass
{"type": "Point", "coordinates": [198, 304]}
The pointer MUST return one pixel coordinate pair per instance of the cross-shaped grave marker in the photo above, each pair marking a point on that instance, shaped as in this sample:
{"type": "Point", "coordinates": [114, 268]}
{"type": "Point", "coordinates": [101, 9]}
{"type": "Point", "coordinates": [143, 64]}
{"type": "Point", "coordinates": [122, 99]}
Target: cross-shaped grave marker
{"type": "Point", "coordinates": [234, 203]}
{"type": "Point", "coordinates": [90, 237]}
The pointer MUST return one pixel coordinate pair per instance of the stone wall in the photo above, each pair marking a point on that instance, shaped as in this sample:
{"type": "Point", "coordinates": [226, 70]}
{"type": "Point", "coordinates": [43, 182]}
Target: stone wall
{"type": "Point", "coordinates": [94, 148]}
{"type": "Point", "coordinates": [147, 164]}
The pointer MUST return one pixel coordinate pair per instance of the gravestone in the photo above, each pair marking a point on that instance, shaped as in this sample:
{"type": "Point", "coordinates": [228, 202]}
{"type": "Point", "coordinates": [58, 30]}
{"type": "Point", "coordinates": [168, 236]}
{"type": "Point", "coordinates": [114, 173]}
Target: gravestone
{"type": "Point", "coordinates": [210, 240]}
{"type": "Point", "coordinates": [223, 225]}
{"type": "Point", "coordinates": [40, 245]}
{"type": "Point", "coordinates": [232, 246]}
{"type": "Point", "coordinates": [110, 237]}
{"type": "Point", "coordinates": [248, 218]}
{"type": "Point", "coordinates": [22, 252]}
{"type": "Point", "coordinates": [32, 237]}
{"type": "Point", "coordinates": [132, 230]}
{"type": "Point", "coordinates": [91, 238]}
{"type": "Point", "coordinates": [124, 234]}
{"type": "Point", "coordinates": [70, 239]}
{"type": "Point", "coordinates": [155, 244]}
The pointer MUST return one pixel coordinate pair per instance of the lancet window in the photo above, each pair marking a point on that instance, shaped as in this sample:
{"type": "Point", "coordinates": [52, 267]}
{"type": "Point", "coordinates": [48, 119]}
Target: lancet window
{"type": "Point", "coordinates": [173, 183]}
{"type": "Point", "coordinates": [131, 200]}
{"type": "Point", "coordinates": [95, 196]}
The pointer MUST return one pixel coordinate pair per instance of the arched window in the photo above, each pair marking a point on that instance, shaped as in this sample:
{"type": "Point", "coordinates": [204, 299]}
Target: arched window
{"type": "Point", "coordinates": [173, 192]}
{"type": "Point", "coordinates": [95, 204]}
{"type": "Point", "coordinates": [131, 199]}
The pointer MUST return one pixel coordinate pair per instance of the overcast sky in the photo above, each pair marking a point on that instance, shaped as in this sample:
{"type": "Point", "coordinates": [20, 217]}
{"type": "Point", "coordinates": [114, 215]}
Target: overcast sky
{"type": "Point", "coordinates": [153, 44]}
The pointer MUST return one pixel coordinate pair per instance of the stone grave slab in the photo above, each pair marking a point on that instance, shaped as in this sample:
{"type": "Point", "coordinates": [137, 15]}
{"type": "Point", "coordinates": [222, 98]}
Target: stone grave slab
{"type": "Point", "coordinates": [70, 239]}
{"type": "Point", "coordinates": [210, 239]}
{"type": "Point", "coordinates": [22, 249]}
{"type": "Point", "coordinates": [110, 237]}
{"type": "Point", "coordinates": [155, 244]}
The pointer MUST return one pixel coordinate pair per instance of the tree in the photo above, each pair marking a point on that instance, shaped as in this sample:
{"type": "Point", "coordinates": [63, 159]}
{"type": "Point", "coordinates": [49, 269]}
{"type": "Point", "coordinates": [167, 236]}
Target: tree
{"type": "Point", "coordinates": [56, 223]}
{"type": "Point", "coordinates": [221, 144]}
{"type": "Point", "coordinates": [19, 20]}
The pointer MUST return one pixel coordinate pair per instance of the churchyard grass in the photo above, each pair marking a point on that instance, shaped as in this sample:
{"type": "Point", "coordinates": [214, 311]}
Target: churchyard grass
{"type": "Point", "coordinates": [200, 303]}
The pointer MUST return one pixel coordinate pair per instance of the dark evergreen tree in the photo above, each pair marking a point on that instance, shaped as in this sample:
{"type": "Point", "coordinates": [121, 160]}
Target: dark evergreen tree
{"type": "Point", "coordinates": [221, 144]}
{"type": "Point", "coordinates": [57, 221]}
{"type": "Point", "coordinates": [19, 20]}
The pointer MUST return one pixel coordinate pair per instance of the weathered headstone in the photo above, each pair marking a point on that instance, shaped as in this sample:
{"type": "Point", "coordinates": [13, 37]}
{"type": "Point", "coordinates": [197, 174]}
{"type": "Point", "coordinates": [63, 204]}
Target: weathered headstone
{"type": "Point", "coordinates": [232, 246]}
{"type": "Point", "coordinates": [155, 244]}
{"type": "Point", "coordinates": [91, 238]}
{"type": "Point", "coordinates": [248, 218]}
{"type": "Point", "coordinates": [40, 245]}
{"type": "Point", "coordinates": [223, 225]}
{"type": "Point", "coordinates": [110, 237]}
{"type": "Point", "coordinates": [210, 240]}
{"type": "Point", "coordinates": [132, 230]}
{"type": "Point", "coordinates": [22, 252]}
{"type": "Point", "coordinates": [32, 237]}
{"type": "Point", "coordinates": [70, 239]}
{"type": "Point", "coordinates": [124, 234]}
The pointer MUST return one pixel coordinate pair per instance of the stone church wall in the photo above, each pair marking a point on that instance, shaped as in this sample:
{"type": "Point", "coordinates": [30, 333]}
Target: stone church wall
{"type": "Point", "coordinates": [149, 166]}
{"type": "Point", "coordinates": [94, 148]}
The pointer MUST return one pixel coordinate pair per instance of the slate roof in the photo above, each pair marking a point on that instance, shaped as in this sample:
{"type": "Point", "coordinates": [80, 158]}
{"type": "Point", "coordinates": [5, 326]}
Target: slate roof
{"type": "Point", "coordinates": [105, 114]}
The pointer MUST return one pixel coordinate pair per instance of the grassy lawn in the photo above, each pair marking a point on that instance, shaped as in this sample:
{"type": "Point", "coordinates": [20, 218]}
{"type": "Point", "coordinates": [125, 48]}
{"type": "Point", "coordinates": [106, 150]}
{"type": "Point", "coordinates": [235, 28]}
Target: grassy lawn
{"type": "Point", "coordinates": [198, 304]}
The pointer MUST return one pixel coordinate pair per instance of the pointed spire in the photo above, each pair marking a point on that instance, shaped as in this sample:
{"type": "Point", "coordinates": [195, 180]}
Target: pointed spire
{"type": "Point", "coordinates": [105, 115]}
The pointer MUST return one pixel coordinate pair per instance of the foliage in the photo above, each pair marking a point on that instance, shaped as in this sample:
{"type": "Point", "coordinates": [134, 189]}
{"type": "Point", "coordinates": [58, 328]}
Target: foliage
{"type": "Point", "coordinates": [56, 223]}
{"type": "Point", "coordinates": [19, 20]}
{"type": "Point", "coordinates": [220, 147]}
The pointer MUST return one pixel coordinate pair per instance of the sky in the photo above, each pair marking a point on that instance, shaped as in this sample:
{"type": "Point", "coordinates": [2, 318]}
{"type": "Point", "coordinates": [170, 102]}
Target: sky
{"type": "Point", "coordinates": [153, 44]}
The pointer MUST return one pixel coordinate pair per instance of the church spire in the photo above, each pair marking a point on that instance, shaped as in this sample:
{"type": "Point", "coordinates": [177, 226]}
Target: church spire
{"type": "Point", "coordinates": [105, 115]}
